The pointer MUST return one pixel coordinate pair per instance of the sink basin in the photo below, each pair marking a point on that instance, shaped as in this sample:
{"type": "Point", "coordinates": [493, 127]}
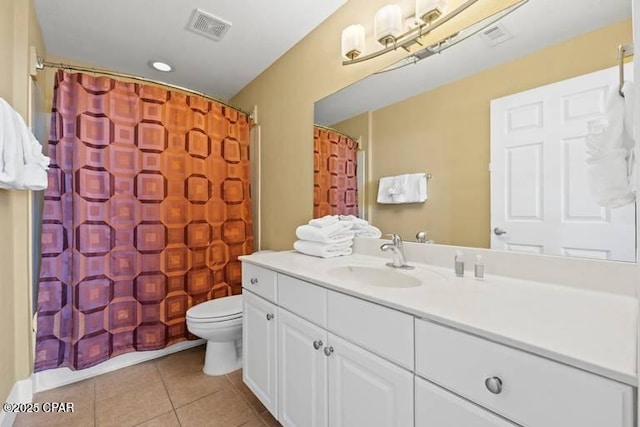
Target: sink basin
{"type": "Point", "coordinates": [375, 276]}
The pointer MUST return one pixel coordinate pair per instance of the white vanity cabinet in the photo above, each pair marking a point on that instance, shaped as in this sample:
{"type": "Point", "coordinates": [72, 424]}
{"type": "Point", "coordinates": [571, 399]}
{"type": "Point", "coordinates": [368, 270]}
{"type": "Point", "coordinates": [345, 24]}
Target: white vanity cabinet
{"type": "Point", "coordinates": [302, 372]}
{"type": "Point", "coordinates": [317, 357]}
{"type": "Point", "coordinates": [259, 337]}
{"type": "Point", "coordinates": [524, 388]}
{"type": "Point", "coordinates": [323, 379]}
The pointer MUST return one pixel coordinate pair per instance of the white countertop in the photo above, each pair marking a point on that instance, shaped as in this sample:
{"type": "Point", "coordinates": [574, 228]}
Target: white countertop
{"type": "Point", "coordinates": [591, 330]}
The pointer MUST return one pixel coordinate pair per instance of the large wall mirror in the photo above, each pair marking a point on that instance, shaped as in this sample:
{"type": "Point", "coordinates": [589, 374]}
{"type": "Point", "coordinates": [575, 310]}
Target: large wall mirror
{"type": "Point", "coordinates": [500, 121]}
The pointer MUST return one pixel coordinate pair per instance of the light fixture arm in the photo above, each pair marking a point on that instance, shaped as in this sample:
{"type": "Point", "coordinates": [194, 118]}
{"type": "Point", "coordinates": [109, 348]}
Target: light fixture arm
{"type": "Point", "coordinates": [412, 36]}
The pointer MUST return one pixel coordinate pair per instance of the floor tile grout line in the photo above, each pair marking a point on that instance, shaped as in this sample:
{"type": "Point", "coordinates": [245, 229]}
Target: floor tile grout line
{"type": "Point", "coordinates": [255, 411]}
{"type": "Point", "coordinates": [166, 389]}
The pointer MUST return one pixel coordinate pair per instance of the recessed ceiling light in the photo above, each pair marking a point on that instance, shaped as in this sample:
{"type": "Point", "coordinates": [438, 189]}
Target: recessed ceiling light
{"type": "Point", "coordinates": [160, 66]}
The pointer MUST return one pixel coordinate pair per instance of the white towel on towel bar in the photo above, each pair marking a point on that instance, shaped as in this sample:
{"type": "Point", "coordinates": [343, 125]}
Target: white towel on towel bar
{"type": "Point", "coordinates": [22, 164]}
{"type": "Point", "coordinates": [408, 188]}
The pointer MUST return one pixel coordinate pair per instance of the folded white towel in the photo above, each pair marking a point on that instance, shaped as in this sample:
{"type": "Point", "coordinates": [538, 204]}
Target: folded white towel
{"type": "Point", "coordinates": [357, 222]}
{"type": "Point", "coordinates": [323, 250]}
{"type": "Point", "coordinates": [338, 232]}
{"type": "Point", "coordinates": [22, 164]}
{"type": "Point", "coordinates": [324, 221]}
{"type": "Point", "coordinates": [408, 188]}
{"type": "Point", "coordinates": [368, 231]}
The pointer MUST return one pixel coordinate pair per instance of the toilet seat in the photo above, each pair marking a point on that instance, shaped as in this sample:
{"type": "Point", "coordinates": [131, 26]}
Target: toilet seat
{"type": "Point", "coordinates": [216, 310]}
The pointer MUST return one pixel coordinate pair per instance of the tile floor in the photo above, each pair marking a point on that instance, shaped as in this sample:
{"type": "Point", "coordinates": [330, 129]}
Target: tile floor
{"type": "Point", "coordinates": [167, 392]}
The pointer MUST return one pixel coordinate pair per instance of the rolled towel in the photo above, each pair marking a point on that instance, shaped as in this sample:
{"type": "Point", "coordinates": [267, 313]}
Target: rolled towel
{"type": "Point", "coordinates": [325, 221]}
{"type": "Point", "coordinates": [331, 234]}
{"type": "Point", "coordinates": [323, 250]}
{"type": "Point", "coordinates": [369, 231]}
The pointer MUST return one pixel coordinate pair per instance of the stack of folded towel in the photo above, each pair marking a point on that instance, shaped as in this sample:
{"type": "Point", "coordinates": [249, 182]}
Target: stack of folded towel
{"type": "Point", "coordinates": [332, 235]}
{"type": "Point", "coordinates": [361, 227]}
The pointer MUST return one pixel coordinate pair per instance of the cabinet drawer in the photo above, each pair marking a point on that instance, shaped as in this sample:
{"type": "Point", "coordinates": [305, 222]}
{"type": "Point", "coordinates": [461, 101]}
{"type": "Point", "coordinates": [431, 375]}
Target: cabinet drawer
{"type": "Point", "coordinates": [306, 300]}
{"type": "Point", "coordinates": [438, 407]}
{"type": "Point", "coordinates": [535, 392]}
{"type": "Point", "coordinates": [386, 332]}
{"type": "Point", "coordinates": [260, 281]}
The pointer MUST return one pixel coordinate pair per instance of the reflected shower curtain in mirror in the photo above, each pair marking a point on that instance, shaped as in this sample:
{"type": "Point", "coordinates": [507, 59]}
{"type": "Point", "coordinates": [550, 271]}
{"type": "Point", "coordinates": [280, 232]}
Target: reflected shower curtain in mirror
{"type": "Point", "coordinates": [147, 210]}
{"type": "Point", "coordinates": [335, 182]}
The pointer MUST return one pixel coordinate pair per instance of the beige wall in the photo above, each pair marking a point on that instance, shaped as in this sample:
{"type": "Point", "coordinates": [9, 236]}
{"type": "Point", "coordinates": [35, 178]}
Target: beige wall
{"type": "Point", "coordinates": [285, 94]}
{"type": "Point", "coordinates": [445, 132]}
{"type": "Point", "coordinates": [16, 355]}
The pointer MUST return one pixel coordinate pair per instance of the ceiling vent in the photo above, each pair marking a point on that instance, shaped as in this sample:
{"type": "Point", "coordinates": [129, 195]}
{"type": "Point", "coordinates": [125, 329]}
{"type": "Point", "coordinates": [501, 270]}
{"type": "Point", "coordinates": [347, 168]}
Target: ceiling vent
{"type": "Point", "coordinates": [496, 34]}
{"type": "Point", "coordinates": [207, 25]}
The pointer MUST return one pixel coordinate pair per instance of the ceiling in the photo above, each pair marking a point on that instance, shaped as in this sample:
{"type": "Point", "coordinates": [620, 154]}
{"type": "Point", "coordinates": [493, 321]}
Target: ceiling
{"type": "Point", "coordinates": [537, 24]}
{"type": "Point", "coordinates": [124, 35]}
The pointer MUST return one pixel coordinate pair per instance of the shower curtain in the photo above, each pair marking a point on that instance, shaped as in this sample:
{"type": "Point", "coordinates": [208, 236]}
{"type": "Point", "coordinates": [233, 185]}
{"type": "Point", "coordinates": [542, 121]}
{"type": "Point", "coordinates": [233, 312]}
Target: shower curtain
{"type": "Point", "coordinates": [335, 182]}
{"type": "Point", "coordinates": [147, 210]}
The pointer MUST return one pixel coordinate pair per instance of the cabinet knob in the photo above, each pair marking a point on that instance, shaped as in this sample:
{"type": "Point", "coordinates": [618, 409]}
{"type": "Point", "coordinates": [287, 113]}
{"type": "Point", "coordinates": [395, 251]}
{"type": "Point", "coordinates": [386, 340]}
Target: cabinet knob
{"type": "Point", "coordinates": [494, 385]}
{"type": "Point", "coordinates": [254, 281]}
{"type": "Point", "coordinates": [317, 344]}
{"type": "Point", "coordinates": [269, 316]}
{"type": "Point", "coordinates": [328, 351]}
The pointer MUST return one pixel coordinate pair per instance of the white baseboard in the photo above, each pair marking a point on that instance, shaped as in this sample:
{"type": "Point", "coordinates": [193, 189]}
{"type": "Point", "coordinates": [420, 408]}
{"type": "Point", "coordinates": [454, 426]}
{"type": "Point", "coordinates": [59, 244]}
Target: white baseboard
{"type": "Point", "coordinates": [21, 392]}
{"type": "Point", "coordinates": [53, 378]}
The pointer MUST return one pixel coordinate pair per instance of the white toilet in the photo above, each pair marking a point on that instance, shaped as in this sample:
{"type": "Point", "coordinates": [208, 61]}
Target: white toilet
{"type": "Point", "coordinates": [219, 321]}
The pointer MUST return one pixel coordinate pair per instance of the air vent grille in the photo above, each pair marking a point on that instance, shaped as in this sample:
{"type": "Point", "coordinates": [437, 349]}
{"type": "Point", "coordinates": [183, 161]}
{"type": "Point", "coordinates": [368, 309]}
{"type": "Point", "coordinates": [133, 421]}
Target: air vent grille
{"type": "Point", "coordinates": [207, 25]}
{"type": "Point", "coordinates": [496, 34]}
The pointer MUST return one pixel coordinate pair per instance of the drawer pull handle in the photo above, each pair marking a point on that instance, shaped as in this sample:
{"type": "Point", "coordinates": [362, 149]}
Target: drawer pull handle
{"type": "Point", "coordinates": [317, 344]}
{"type": "Point", "coordinates": [494, 385]}
{"type": "Point", "coordinates": [254, 280]}
{"type": "Point", "coordinates": [328, 351]}
{"type": "Point", "coordinates": [269, 316]}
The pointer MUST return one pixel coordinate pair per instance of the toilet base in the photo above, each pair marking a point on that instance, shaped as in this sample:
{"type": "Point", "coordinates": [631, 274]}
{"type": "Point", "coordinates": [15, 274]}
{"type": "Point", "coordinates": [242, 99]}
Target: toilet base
{"type": "Point", "coordinates": [222, 358]}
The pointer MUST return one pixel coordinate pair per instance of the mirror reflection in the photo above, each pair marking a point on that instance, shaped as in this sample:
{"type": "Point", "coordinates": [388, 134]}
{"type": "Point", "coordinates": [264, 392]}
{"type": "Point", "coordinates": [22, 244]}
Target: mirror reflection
{"type": "Point", "coordinates": [503, 122]}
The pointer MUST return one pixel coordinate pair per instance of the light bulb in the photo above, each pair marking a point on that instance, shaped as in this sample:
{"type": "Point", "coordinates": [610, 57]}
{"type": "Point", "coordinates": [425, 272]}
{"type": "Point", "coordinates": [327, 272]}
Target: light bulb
{"type": "Point", "coordinates": [388, 24]}
{"type": "Point", "coordinates": [353, 41]}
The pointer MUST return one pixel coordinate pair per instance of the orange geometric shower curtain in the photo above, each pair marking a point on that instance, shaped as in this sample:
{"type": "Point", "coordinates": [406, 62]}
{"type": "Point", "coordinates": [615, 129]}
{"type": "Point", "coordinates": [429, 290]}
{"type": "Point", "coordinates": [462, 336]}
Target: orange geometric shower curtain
{"type": "Point", "coordinates": [147, 210]}
{"type": "Point", "coordinates": [335, 182]}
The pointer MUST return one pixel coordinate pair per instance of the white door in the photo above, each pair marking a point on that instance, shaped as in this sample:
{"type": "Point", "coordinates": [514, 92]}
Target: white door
{"type": "Point", "coordinates": [259, 363]}
{"type": "Point", "coordinates": [437, 407]}
{"type": "Point", "coordinates": [302, 372]}
{"type": "Point", "coordinates": [539, 192]}
{"type": "Point", "coordinates": [365, 390]}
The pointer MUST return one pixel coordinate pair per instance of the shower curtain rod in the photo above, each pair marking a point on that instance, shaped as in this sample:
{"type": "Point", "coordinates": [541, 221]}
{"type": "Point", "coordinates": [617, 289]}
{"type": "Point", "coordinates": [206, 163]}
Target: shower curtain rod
{"type": "Point", "coordinates": [45, 64]}
{"type": "Point", "coordinates": [357, 140]}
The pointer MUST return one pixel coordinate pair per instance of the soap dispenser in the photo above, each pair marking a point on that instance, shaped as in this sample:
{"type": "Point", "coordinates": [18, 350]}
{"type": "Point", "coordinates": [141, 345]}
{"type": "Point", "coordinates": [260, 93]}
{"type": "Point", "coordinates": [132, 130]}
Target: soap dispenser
{"type": "Point", "coordinates": [459, 264]}
{"type": "Point", "coordinates": [478, 268]}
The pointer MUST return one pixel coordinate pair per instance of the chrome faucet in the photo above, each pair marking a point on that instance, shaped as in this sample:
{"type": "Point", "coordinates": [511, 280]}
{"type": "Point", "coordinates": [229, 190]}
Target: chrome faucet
{"type": "Point", "coordinates": [399, 261]}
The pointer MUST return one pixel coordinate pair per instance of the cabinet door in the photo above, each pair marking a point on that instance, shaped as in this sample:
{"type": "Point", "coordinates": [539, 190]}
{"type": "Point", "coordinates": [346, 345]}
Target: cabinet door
{"type": "Point", "coordinates": [437, 407]}
{"type": "Point", "coordinates": [366, 390]}
{"type": "Point", "coordinates": [259, 360]}
{"type": "Point", "coordinates": [302, 372]}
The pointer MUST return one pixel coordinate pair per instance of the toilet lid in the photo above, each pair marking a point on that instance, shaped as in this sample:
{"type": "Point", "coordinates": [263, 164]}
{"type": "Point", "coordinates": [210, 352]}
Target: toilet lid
{"type": "Point", "coordinates": [217, 308]}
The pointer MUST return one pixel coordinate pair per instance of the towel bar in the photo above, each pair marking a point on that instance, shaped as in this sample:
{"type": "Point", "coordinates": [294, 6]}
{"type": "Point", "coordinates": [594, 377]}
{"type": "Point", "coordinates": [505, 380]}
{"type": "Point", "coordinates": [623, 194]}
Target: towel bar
{"type": "Point", "coordinates": [624, 50]}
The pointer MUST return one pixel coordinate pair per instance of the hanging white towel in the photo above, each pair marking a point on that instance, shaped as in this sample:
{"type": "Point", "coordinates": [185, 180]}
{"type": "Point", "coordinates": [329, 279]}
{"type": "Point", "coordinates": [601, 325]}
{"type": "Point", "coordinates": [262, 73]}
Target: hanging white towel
{"type": "Point", "coordinates": [408, 188]}
{"type": "Point", "coordinates": [334, 233]}
{"type": "Point", "coordinates": [323, 250]}
{"type": "Point", "coordinates": [609, 151]}
{"type": "Point", "coordinates": [22, 164]}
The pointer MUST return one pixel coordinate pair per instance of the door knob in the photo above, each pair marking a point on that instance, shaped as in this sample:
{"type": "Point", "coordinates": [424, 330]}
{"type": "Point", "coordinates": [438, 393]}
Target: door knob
{"type": "Point", "coordinates": [328, 351]}
{"type": "Point", "coordinates": [499, 231]}
{"type": "Point", "coordinates": [317, 344]}
{"type": "Point", "coordinates": [269, 316]}
{"type": "Point", "coordinates": [494, 385]}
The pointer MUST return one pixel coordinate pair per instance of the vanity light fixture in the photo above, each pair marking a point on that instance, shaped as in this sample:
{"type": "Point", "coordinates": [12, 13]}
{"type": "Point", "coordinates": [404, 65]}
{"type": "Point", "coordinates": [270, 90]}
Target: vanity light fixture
{"type": "Point", "coordinates": [160, 66]}
{"type": "Point", "coordinates": [392, 30]}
